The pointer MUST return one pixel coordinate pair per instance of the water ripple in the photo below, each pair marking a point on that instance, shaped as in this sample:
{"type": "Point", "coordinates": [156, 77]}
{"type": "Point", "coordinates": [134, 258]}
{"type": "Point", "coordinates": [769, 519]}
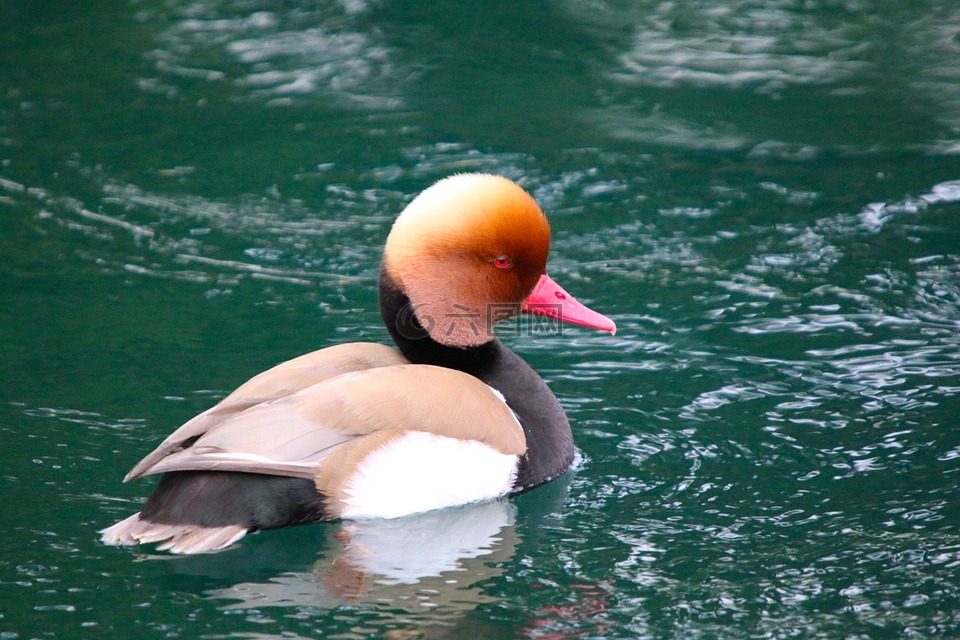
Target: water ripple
{"type": "Point", "coordinates": [738, 44]}
{"type": "Point", "coordinates": [278, 55]}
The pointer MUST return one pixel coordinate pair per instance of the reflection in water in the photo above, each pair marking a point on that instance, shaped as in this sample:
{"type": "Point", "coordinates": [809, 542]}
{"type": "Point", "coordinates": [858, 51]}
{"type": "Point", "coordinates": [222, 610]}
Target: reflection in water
{"type": "Point", "coordinates": [438, 566]}
{"type": "Point", "coordinates": [438, 560]}
{"type": "Point", "coordinates": [405, 551]}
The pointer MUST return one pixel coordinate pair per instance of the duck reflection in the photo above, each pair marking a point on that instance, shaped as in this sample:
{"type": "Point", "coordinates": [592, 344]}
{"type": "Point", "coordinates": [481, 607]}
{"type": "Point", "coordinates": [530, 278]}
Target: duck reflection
{"type": "Point", "coordinates": [425, 551]}
{"type": "Point", "coordinates": [441, 563]}
{"type": "Point", "coordinates": [424, 560]}
{"type": "Point", "coordinates": [432, 569]}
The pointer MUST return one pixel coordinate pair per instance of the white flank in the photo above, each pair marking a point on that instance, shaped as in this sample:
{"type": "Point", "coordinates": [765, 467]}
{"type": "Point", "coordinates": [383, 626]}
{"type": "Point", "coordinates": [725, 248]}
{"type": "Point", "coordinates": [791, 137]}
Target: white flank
{"type": "Point", "coordinates": [422, 471]}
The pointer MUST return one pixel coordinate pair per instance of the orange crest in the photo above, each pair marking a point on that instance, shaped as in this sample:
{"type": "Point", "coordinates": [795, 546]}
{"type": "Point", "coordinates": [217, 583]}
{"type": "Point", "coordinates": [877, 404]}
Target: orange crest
{"type": "Point", "coordinates": [464, 251]}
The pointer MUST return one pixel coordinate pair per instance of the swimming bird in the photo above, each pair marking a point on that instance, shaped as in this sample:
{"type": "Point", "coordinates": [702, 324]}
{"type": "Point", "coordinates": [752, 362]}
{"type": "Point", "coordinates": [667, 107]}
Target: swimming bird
{"type": "Point", "coordinates": [448, 417]}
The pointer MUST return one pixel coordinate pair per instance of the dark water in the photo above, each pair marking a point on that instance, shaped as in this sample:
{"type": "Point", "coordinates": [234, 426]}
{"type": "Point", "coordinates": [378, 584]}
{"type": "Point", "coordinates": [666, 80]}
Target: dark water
{"type": "Point", "coordinates": [765, 195]}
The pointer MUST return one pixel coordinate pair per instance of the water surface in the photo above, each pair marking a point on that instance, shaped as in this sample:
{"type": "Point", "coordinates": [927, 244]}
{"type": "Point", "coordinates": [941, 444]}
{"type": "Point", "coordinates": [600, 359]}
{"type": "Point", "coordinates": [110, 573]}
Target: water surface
{"type": "Point", "coordinates": [763, 195]}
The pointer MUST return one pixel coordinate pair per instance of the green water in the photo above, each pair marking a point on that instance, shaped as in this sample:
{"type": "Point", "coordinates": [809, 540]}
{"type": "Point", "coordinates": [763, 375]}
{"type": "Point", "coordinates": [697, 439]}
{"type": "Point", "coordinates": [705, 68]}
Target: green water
{"type": "Point", "coordinates": [762, 194]}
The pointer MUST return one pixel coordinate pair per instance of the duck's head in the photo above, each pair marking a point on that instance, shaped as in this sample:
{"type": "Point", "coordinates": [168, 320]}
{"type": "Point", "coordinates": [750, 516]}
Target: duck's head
{"type": "Point", "coordinates": [472, 250]}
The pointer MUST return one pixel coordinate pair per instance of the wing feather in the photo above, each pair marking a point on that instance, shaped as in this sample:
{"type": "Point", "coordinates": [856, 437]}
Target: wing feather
{"type": "Point", "coordinates": [282, 380]}
{"type": "Point", "coordinates": [291, 435]}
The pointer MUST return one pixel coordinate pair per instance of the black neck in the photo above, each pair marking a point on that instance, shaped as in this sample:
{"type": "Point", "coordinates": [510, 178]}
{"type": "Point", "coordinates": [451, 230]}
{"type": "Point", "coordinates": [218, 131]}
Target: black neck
{"type": "Point", "coordinates": [549, 440]}
{"type": "Point", "coordinates": [415, 342]}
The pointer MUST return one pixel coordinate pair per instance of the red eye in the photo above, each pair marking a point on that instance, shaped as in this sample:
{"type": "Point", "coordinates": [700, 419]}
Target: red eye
{"type": "Point", "coordinates": [502, 262]}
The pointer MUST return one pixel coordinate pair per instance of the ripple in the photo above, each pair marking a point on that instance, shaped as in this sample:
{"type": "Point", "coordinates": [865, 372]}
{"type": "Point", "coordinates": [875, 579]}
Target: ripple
{"type": "Point", "coordinates": [876, 214]}
{"type": "Point", "coordinates": [735, 44]}
{"type": "Point", "coordinates": [279, 55]}
{"type": "Point", "coordinates": [775, 59]}
{"type": "Point", "coordinates": [158, 234]}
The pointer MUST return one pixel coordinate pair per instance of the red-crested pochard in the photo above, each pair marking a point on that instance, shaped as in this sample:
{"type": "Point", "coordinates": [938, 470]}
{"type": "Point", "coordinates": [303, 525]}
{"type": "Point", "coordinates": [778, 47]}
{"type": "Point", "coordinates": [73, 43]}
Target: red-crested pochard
{"type": "Point", "coordinates": [364, 430]}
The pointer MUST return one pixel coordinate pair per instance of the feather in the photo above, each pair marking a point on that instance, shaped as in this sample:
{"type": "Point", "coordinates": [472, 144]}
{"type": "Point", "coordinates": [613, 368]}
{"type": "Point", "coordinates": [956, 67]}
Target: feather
{"type": "Point", "coordinates": [176, 538]}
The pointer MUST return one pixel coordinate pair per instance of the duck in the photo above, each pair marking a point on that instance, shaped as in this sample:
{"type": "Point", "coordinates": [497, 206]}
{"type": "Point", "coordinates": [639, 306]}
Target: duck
{"type": "Point", "coordinates": [446, 417]}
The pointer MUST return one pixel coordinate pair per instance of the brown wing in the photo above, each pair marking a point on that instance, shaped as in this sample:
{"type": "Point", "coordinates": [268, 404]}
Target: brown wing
{"type": "Point", "coordinates": [282, 380]}
{"type": "Point", "coordinates": [291, 435]}
{"type": "Point", "coordinates": [312, 368]}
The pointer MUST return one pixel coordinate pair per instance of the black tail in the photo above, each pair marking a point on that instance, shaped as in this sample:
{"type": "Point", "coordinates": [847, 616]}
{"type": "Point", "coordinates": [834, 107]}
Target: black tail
{"type": "Point", "coordinates": [196, 511]}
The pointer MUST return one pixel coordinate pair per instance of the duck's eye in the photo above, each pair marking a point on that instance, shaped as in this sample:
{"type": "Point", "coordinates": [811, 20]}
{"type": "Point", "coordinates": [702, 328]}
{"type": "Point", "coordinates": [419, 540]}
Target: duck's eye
{"type": "Point", "coordinates": [502, 262]}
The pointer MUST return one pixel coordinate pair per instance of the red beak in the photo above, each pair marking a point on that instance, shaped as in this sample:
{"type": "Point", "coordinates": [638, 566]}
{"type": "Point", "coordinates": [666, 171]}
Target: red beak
{"type": "Point", "coordinates": [550, 300]}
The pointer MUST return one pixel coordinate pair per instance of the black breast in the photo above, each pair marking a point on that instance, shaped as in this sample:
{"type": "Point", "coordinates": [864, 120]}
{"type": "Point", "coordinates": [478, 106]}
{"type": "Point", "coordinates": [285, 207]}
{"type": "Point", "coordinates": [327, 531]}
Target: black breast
{"type": "Point", "coordinates": [550, 449]}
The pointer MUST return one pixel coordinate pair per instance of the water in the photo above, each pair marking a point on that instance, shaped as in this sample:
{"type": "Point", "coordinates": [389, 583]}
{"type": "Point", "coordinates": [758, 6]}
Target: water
{"type": "Point", "coordinates": [764, 195]}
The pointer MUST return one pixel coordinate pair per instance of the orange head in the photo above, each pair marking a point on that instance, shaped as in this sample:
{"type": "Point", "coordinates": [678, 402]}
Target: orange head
{"type": "Point", "coordinates": [467, 252]}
